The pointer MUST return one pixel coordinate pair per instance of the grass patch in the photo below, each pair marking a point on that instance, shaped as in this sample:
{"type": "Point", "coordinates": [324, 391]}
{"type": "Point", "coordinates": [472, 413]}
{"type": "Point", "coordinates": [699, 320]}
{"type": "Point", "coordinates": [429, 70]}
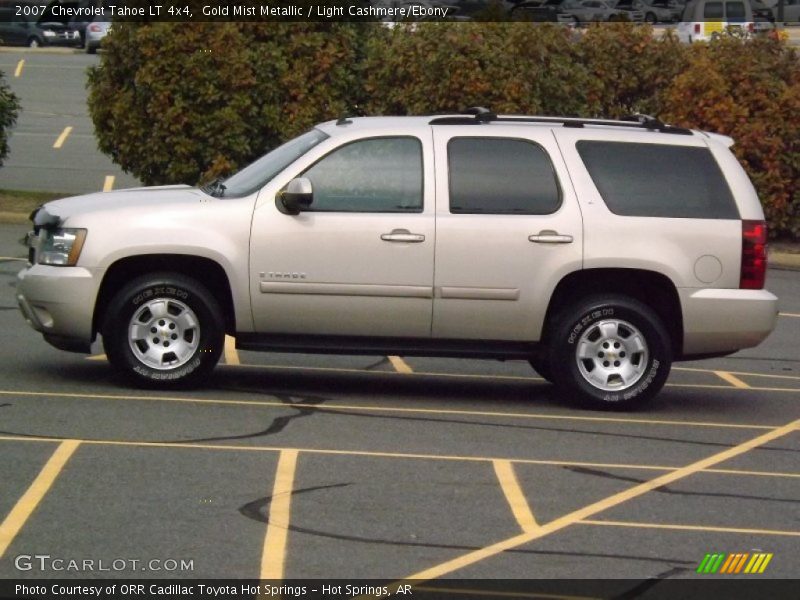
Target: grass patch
{"type": "Point", "coordinates": [13, 201]}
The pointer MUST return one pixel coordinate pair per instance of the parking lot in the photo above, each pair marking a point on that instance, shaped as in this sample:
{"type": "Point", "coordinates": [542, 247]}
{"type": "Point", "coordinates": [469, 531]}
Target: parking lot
{"type": "Point", "coordinates": [390, 468]}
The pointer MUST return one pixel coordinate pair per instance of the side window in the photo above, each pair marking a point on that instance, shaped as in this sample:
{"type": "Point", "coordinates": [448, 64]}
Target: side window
{"type": "Point", "coordinates": [371, 175]}
{"type": "Point", "coordinates": [501, 176]}
{"type": "Point", "coordinates": [734, 11]}
{"type": "Point", "coordinates": [658, 180]}
{"type": "Point", "coordinates": [713, 10]}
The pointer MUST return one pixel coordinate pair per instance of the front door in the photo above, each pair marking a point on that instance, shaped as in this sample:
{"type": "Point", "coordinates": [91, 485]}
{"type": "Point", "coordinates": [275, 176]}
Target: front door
{"type": "Point", "coordinates": [359, 261]}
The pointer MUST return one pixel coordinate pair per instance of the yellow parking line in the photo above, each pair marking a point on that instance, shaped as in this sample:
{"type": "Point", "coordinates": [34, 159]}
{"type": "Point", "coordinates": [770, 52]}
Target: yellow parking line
{"type": "Point", "coordinates": [793, 315]}
{"type": "Point", "coordinates": [97, 357]}
{"type": "Point", "coordinates": [400, 365]}
{"type": "Point", "coordinates": [13, 258]}
{"type": "Point", "coordinates": [743, 373]}
{"type": "Point", "coordinates": [108, 183]}
{"type": "Point", "coordinates": [395, 455]}
{"type": "Point", "coordinates": [20, 66]}
{"type": "Point", "coordinates": [62, 138]}
{"type": "Point", "coordinates": [509, 483]}
{"type": "Point", "coordinates": [689, 527]}
{"type": "Point", "coordinates": [231, 354]}
{"type": "Point", "coordinates": [584, 513]}
{"type": "Point", "coordinates": [732, 379]}
{"type": "Point", "coordinates": [30, 500]}
{"type": "Point", "coordinates": [273, 558]}
{"type": "Point", "coordinates": [388, 409]}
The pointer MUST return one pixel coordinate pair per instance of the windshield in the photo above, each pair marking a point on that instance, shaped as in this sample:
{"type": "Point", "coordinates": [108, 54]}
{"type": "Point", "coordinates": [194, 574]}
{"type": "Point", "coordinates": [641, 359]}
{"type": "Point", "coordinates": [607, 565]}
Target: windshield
{"type": "Point", "coordinates": [257, 174]}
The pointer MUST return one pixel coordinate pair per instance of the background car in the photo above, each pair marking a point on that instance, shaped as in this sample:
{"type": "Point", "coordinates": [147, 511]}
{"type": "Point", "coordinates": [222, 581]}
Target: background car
{"type": "Point", "coordinates": [95, 32]}
{"type": "Point", "coordinates": [588, 11]}
{"type": "Point", "coordinates": [655, 11]}
{"type": "Point", "coordinates": [19, 30]}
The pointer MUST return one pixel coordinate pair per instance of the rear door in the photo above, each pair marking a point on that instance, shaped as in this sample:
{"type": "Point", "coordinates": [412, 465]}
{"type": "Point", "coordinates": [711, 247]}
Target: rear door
{"type": "Point", "coordinates": [508, 229]}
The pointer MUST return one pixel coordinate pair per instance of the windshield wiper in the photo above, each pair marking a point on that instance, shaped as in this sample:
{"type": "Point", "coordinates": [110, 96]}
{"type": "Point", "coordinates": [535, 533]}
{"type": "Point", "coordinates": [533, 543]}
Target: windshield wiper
{"type": "Point", "coordinates": [216, 188]}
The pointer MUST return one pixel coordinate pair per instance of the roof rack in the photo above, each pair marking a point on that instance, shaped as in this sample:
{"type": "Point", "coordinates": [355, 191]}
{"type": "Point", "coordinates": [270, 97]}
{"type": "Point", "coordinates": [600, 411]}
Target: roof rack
{"type": "Point", "coordinates": [479, 115]}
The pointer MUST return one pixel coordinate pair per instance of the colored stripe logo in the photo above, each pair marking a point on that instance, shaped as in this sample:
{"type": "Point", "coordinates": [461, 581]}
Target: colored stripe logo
{"type": "Point", "coordinates": [732, 564]}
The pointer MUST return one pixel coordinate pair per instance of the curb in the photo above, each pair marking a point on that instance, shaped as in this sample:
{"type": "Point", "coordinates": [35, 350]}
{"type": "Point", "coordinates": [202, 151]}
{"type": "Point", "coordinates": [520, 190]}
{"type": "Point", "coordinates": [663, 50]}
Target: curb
{"type": "Point", "coordinates": [784, 260]}
{"type": "Point", "coordinates": [26, 50]}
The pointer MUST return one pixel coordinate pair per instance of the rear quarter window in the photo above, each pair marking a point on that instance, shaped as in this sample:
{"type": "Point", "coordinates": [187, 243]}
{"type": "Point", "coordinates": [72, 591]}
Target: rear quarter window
{"type": "Point", "coordinates": [658, 180]}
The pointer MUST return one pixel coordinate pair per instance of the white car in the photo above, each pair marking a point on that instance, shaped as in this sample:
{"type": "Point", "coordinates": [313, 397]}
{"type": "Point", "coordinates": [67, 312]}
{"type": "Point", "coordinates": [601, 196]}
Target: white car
{"type": "Point", "coordinates": [600, 251]}
{"type": "Point", "coordinates": [704, 20]}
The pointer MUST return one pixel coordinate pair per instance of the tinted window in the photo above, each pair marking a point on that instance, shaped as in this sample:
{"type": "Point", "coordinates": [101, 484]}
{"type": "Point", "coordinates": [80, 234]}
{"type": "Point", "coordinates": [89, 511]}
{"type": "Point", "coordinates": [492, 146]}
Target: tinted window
{"type": "Point", "coordinates": [374, 175]}
{"type": "Point", "coordinates": [655, 180]}
{"type": "Point", "coordinates": [734, 10]}
{"type": "Point", "coordinates": [499, 176]}
{"type": "Point", "coordinates": [713, 10]}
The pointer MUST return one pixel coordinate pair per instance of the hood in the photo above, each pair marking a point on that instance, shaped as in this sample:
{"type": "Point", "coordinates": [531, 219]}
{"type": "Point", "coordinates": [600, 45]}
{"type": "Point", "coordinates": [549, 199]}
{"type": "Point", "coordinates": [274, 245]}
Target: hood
{"type": "Point", "coordinates": [146, 198]}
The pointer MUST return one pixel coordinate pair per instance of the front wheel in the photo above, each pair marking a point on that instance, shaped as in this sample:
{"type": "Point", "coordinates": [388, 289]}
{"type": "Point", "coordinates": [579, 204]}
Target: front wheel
{"type": "Point", "coordinates": [34, 43]}
{"type": "Point", "coordinates": [164, 330]}
{"type": "Point", "coordinates": [610, 353]}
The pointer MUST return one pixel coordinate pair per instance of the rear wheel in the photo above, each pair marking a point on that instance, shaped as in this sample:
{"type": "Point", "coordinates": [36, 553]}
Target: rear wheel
{"type": "Point", "coordinates": [610, 353]}
{"type": "Point", "coordinates": [164, 330]}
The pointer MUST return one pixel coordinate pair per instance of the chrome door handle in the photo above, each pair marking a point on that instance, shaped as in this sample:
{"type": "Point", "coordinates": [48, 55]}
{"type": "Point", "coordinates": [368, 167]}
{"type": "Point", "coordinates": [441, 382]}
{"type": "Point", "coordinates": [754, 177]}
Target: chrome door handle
{"type": "Point", "coordinates": [550, 237]}
{"type": "Point", "coordinates": [403, 235]}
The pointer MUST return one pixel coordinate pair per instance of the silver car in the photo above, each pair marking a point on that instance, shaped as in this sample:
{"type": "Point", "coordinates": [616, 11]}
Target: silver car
{"type": "Point", "coordinates": [588, 11]}
{"type": "Point", "coordinates": [95, 32]}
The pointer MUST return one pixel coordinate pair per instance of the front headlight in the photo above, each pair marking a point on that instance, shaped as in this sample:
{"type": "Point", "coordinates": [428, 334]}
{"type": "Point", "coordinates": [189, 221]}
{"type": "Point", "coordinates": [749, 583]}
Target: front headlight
{"type": "Point", "coordinates": [62, 247]}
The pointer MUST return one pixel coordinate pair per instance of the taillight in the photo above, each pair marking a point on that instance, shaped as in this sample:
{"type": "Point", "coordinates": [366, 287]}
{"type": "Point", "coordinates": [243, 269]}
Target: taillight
{"type": "Point", "coordinates": [697, 28]}
{"type": "Point", "coordinates": [754, 255]}
{"type": "Point", "coordinates": [94, 28]}
{"type": "Point", "coordinates": [751, 27]}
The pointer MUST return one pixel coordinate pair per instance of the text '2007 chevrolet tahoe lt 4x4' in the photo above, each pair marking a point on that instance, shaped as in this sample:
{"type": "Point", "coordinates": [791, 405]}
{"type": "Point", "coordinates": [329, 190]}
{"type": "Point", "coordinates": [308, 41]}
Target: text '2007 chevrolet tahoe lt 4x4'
{"type": "Point", "coordinates": [600, 251]}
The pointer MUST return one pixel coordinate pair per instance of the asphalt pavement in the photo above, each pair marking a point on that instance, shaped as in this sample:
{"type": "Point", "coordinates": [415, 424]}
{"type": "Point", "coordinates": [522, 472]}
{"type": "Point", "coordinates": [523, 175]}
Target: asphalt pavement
{"type": "Point", "coordinates": [53, 147]}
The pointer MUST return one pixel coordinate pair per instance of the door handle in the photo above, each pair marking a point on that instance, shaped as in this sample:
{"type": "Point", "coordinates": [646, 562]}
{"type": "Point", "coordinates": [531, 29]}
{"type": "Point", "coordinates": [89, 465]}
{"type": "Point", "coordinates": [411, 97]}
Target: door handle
{"type": "Point", "coordinates": [403, 235]}
{"type": "Point", "coordinates": [548, 236]}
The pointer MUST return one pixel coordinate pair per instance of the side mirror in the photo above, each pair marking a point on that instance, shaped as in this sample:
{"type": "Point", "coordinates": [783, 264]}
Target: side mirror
{"type": "Point", "coordinates": [296, 197]}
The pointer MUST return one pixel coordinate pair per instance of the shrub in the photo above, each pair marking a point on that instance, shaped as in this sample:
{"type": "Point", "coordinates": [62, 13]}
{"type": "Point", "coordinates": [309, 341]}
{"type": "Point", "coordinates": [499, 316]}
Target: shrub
{"type": "Point", "coordinates": [188, 102]}
{"type": "Point", "coordinates": [443, 67]}
{"type": "Point", "coordinates": [629, 68]}
{"type": "Point", "coordinates": [9, 110]}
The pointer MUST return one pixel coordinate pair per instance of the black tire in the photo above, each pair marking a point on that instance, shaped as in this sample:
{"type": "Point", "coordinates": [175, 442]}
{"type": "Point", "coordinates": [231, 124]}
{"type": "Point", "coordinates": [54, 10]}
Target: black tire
{"type": "Point", "coordinates": [90, 49]}
{"type": "Point", "coordinates": [542, 367]}
{"type": "Point", "coordinates": [625, 365]}
{"type": "Point", "coordinates": [650, 18]}
{"type": "Point", "coordinates": [185, 301]}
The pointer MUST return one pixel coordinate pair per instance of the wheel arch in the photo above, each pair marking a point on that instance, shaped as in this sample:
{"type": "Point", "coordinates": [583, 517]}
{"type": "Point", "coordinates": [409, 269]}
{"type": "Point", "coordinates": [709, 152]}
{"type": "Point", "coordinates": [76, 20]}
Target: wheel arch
{"type": "Point", "coordinates": [214, 278]}
{"type": "Point", "coordinates": [649, 287]}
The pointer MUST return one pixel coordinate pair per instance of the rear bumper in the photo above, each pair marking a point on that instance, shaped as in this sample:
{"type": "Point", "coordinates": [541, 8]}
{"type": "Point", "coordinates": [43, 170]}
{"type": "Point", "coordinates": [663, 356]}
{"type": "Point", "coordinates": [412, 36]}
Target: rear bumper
{"type": "Point", "coordinates": [726, 320]}
{"type": "Point", "coordinates": [59, 302]}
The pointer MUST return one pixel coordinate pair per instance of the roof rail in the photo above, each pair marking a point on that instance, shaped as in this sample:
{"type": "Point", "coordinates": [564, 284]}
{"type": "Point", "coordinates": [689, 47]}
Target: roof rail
{"type": "Point", "coordinates": [479, 115]}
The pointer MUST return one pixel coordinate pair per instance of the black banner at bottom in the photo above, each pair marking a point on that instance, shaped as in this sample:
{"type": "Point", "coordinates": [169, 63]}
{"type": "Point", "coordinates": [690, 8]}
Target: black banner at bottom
{"type": "Point", "coordinates": [711, 588]}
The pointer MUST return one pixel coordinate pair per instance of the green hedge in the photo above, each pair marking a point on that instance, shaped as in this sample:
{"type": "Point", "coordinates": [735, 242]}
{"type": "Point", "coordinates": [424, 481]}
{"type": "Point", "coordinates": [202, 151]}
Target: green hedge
{"type": "Point", "coordinates": [186, 103]}
{"type": "Point", "coordinates": [9, 110]}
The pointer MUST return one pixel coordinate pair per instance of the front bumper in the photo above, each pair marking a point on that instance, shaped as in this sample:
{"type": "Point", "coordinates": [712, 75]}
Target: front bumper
{"type": "Point", "coordinates": [59, 302]}
{"type": "Point", "coordinates": [726, 320]}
